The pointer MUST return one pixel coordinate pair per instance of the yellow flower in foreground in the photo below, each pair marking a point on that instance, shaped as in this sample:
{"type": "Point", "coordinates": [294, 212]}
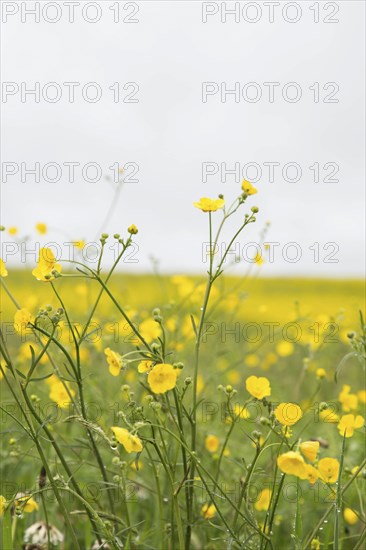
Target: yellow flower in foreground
{"type": "Point", "coordinates": [162, 378]}
{"type": "Point", "coordinates": [2, 505]}
{"type": "Point", "coordinates": [208, 511]}
{"type": "Point", "coordinates": [13, 230]}
{"type": "Point", "coordinates": [3, 270]}
{"type": "Point", "coordinates": [21, 319]}
{"type": "Point", "coordinates": [258, 387]}
{"type": "Point", "coordinates": [288, 413]}
{"type": "Point", "coordinates": [350, 516]}
{"type": "Point", "coordinates": [114, 361]}
{"type": "Point", "coordinates": [292, 463]}
{"type": "Point", "coordinates": [58, 392]}
{"type": "Point", "coordinates": [46, 264]}
{"type": "Point", "coordinates": [27, 503]}
{"type": "Point", "coordinates": [349, 423]}
{"type": "Point", "coordinates": [312, 473]}
{"type": "Point", "coordinates": [264, 500]}
{"type": "Point", "coordinates": [145, 366]}
{"type": "Point", "coordinates": [329, 416]}
{"type": "Point", "coordinates": [349, 400]}
{"type": "Point", "coordinates": [131, 443]}
{"type": "Point", "coordinates": [212, 443]}
{"type": "Point", "coordinates": [328, 469]}
{"type": "Point", "coordinates": [41, 228]}
{"type": "Point", "coordinates": [248, 188]}
{"type": "Point", "coordinates": [310, 449]}
{"type": "Point", "coordinates": [209, 205]}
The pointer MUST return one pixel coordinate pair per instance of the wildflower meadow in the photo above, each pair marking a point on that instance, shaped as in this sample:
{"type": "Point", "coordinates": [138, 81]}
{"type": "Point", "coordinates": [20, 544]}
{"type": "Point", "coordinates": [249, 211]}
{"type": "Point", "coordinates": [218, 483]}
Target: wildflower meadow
{"type": "Point", "coordinates": [214, 411]}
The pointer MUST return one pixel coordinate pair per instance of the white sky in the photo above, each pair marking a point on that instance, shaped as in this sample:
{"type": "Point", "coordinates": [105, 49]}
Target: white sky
{"type": "Point", "coordinates": [170, 131]}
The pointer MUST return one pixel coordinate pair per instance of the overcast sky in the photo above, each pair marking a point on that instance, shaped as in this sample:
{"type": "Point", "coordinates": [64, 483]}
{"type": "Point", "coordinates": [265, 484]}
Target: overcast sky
{"type": "Point", "coordinates": [176, 131]}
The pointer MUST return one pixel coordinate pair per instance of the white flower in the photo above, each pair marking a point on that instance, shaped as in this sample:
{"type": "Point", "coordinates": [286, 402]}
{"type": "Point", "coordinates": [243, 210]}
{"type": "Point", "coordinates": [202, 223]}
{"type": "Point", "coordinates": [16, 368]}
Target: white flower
{"type": "Point", "coordinates": [37, 534]}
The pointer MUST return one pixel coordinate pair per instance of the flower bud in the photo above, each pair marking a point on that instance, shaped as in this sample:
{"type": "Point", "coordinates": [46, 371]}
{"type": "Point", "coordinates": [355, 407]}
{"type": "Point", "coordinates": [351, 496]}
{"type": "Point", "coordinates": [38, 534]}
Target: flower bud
{"type": "Point", "coordinates": [255, 209]}
{"type": "Point", "coordinates": [133, 229]}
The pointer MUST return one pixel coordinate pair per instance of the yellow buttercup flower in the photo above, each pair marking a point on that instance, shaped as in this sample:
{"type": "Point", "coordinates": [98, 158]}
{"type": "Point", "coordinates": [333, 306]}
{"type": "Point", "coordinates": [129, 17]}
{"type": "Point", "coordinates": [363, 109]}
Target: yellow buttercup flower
{"type": "Point", "coordinates": [361, 395]}
{"type": "Point", "coordinates": [248, 188]}
{"type": "Point", "coordinates": [349, 400]}
{"type": "Point", "coordinates": [46, 264]}
{"type": "Point", "coordinates": [114, 361]}
{"type": "Point", "coordinates": [263, 501]}
{"type": "Point", "coordinates": [208, 511]}
{"type": "Point", "coordinates": [41, 228]}
{"type": "Point", "coordinates": [292, 463]}
{"type": "Point", "coordinates": [145, 366]}
{"type": "Point", "coordinates": [310, 449]}
{"type": "Point", "coordinates": [150, 330]}
{"type": "Point", "coordinates": [329, 416]}
{"type": "Point", "coordinates": [350, 516]}
{"type": "Point", "coordinates": [349, 423]}
{"type": "Point", "coordinates": [162, 378]}
{"type": "Point", "coordinates": [321, 373]}
{"type": "Point", "coordinates": [212, 443]}
{"type": "Point", "coordinates": [27, 503]}
{"type": "Point", "coordinates": [131, 443]}
{"type": "Point", "coordinates": [21, 320]}
{"type": "Point", "coordinates": [240, 411]}
{"type": "Point", "coordinates": [80, 245]}
{"type": "Point", "coordinates": [312, 473]}
{"type": "Point", "coordinates": [3, 270]}
{"type": "Point", "coordinates": [315, 544]}
{"type": "Point", "coordinates": [209, 205]}
{"type": "Point", "coordinates": [288, 413]}
{"type": "Point", "coordinates": [258, 387]}
{"type": "Point", "coordinates": [2, 505]}
{"type": "Point", "coordinates": [133, 229]}
{"type": "Point", "coordinates": [58, 392]}
{"type": "Point", "coordinates": [284, 349]}
{"type": "Point", "coordinates": [328, 469]}
{"type": "Point", "coordinates": [13, 230]}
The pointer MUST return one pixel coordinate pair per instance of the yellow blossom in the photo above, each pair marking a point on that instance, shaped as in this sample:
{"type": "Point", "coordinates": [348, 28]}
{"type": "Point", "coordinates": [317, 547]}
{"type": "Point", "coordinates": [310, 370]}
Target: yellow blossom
{"type": "Point", "coordinates": [58, 392]}
{"type": "Point", "coordinates": [312, 473]}
{"type": "Point", "coordinates": [293, 463]}
{"type": "Point", "coordinates": [208, 511]}
{"type": "Point", "coordinates": [310, 449]}
{"type": "Point", "coordinates": [2, 505]}
{"type": "Point", "coordinates": [209, 205]}
{"type": "Point", "coordinates": [150, 330]}
{"type": "Point", "coordinates": [248, 188]}
{"type": "Point", "coordinates": [46, 264]}
{"type": "Point", "coordinates": [361, 395]}
{"type": "Point", "coordinates": [3, 270]}
{"type": "Point", "coordinates": [263, 501]}
{"type": "Point", "coordinates": [145, 366]}
{"type": "Point", "coordinates": [328, 416]}
{"type": "Point", "coordinates": [288, 413]}
{"type": "Point", "coordinates": [328, 469]}
{"type": "Point", "coordinates": [114, 361]}
{"type": "Point", "coordinates": [21, 320]}
{"type": "Point", "coordinates": [131, 442]}
{"type": "Point", "coordinates": [284, 349]}
{"type": "Point", "coordinates": [240, 411]}
{"type": "Point", "coordinates": [212, 443]}
{"type": "Point", "coordinates": [79, 244]}
{"type": "Point", "coordinates": [162, 378]}
{"type": "Point", "coordinates": [13, 230]}
{"type": "Point", "coordinates": [349, 423]}
{"type": "Point", "coordinates": [133, 229]}
{"type": "Point", "coordinates": [27, 503]}
{"type": "Point", "coordinates": [315, 544]}
{"type": "Point", "coordinates": [252, 360]}
{"type": "Point", "coordinates": [258, 387]}
{"type": "Point", "coordinates": [349, 400]}
{"type": "Point", "coordinates": [41, 228]}
{"type": "Point", "coordinates": [350, 516]}
{"type": "Point", "coordinates": [321, 373]}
